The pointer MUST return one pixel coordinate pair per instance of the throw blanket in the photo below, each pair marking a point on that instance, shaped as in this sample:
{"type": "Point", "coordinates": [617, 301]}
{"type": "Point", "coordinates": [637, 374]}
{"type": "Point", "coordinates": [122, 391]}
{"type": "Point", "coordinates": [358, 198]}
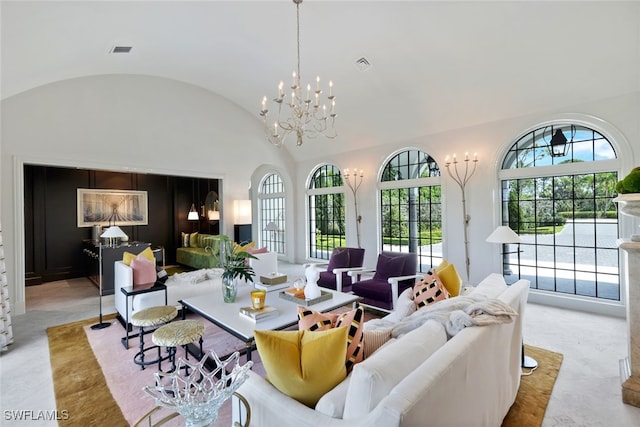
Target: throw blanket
{"type": "Point", "coordinates": [193, 277]}
{"type": "Point", "coordinates": [456, 314]}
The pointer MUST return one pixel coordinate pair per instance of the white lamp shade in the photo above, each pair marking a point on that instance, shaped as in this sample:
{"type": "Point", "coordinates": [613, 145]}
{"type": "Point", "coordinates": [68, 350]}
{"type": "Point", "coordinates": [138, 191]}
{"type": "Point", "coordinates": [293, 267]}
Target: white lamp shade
{"type": "Point", "coordinates": [504, 235]}
{"type": "Point", "coordinates": [193, 213]}
{"type": "Point", "coordinates": [213, 215]}
{"type": "Point", "coordinates": [113, 232]}
{"type": "Point", "coordinates": [242, 211]}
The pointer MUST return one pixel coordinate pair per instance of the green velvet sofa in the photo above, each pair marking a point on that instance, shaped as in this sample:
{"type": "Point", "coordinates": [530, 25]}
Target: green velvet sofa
{"type": "Point", "coordinates": [200, 250]}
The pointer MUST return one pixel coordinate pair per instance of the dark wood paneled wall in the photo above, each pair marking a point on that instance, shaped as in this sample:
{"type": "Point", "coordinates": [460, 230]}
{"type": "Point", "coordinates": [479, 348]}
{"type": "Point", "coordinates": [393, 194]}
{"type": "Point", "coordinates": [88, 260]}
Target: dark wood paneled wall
{"type": "Point", "coordinates": [53, 241]}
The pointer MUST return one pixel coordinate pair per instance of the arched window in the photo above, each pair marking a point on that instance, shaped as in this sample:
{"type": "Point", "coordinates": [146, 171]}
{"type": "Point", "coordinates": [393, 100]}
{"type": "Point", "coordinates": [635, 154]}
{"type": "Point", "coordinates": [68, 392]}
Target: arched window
{"type": "Point", "coordinates": [326, 211]}
{"type": "Point", "coordinates": [558, 183]}
{"type": "Point", "coordinates": [271, 199]}
{"type": "Point", "coordinates": [411, 207]}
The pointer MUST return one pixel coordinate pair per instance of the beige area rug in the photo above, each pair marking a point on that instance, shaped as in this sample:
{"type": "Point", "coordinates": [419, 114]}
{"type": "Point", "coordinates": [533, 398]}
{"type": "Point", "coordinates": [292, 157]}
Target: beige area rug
{"type": "Point", "coordinates": [96, 380]}
{"type": "Point", "coordinates": [535, 390]}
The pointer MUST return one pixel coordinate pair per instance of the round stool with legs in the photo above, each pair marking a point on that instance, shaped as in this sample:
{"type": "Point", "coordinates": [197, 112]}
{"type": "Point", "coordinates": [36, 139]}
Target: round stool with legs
{"type": "Point", "coordinates": [178, 333]}
{"type": "Point", "coordinates": [151, 318]}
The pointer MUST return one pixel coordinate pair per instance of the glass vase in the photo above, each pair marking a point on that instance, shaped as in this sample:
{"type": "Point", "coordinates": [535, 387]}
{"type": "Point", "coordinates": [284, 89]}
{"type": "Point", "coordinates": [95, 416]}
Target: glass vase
{"type": "Point", "coordinates": [229, 289]}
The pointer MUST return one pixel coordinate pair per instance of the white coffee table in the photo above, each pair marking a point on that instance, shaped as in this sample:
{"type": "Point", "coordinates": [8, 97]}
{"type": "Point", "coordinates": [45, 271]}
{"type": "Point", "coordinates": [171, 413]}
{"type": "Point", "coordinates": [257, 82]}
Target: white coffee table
{"type": "Point", "coordinates": [227, 315]}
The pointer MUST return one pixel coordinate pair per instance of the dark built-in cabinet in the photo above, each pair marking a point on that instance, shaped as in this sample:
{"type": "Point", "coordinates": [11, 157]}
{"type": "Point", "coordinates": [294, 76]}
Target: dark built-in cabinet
{"type": "Point", "coordinates": [53, 240]}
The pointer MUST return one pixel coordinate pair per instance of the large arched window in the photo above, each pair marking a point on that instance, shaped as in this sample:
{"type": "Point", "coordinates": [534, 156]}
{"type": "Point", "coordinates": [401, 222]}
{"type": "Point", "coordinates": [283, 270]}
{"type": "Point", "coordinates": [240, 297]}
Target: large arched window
{"type": "Point", "coordinates": [411, 207]}
{"type": "Point", "coordinates": [271, 199]}
{"type": "Point", "coordinates": [326, 211]}
{"type": "Point", "coordinates": [558, 183]}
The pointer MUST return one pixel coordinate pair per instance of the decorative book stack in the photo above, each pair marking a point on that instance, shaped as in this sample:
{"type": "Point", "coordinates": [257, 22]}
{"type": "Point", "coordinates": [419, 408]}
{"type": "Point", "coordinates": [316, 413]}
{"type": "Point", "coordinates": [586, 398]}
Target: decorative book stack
{"type": "Point", "coordinates": [273, 279]}
{"type": "Point", "coordinates": [256, 315]}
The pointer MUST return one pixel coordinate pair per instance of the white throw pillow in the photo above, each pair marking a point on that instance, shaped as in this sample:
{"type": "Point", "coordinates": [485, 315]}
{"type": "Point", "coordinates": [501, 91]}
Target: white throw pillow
{"type": "Point", "coordinates": [375, 377]}
{"type": "Point", "coordinates": [332, 403]}
{"type": "Point", "coordinates": [491, 286]}
{"type": "Point", "coordinates": [404, 307]}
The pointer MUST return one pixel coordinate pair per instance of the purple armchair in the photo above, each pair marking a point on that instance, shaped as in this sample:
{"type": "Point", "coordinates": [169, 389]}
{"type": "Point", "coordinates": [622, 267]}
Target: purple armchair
{"type": "Point", "coordinates": [394, 273]}
{"type": "Point", "coordinates": [342, 260]}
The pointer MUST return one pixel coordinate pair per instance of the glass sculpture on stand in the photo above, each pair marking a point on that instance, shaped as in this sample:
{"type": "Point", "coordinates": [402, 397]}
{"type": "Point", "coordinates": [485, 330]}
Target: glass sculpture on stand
{"type": "Point", "coordinates": [197, 393]}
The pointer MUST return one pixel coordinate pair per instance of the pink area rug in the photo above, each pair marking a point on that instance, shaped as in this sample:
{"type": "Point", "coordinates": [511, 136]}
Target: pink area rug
{"type": "Point", "coordinates": [126, 380]}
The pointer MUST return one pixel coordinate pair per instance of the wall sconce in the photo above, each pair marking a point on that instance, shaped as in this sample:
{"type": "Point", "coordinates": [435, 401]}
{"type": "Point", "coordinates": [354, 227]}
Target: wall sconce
{"type": "Point", "coordinates": [356, 177]}
{"type": "Point", "coordinates": [193, 213]}
{"type": "Point", "coordinates": [462, 180]}
{"type": "Point", "coordinates": [211, 206]}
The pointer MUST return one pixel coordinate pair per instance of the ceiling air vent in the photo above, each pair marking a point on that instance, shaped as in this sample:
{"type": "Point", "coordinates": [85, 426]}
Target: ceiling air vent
{"type": "Point", "coordinates": [120, 49]}
{"type": "Point", "coordinates": [363, 64]}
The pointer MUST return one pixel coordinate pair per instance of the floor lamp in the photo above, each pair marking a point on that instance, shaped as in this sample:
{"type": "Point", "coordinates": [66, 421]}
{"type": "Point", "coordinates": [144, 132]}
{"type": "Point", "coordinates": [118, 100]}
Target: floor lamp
{"type": "Point", "coordinates": [505, 235]}
{"type": "Point", "coordinates": [113, 233]}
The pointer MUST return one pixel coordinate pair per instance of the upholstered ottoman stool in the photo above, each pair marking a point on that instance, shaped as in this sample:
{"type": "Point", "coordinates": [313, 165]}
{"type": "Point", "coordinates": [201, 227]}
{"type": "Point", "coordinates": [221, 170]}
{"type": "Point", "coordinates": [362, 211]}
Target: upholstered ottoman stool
{"type": "Point", "coordinates": [151, 317]}
{"type": "Point", "coordinates": [178, 333]}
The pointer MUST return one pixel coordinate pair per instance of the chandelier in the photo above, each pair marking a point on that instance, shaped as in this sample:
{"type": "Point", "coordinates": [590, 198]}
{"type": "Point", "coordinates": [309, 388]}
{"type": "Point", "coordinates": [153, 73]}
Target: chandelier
{"type": "Point", "coordinates": [305, 114]}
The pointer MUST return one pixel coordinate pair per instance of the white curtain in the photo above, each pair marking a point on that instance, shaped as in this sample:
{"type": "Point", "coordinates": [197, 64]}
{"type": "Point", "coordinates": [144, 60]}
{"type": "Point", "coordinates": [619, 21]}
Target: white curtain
{"type": "Point", "coordinates": [6, 331]}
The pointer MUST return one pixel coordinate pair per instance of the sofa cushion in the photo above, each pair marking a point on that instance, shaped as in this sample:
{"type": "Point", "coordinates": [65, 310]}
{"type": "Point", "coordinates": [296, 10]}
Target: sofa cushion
{"type": "Point", "coordinates": [339, 259]}
{"type": "Point", "coordinates": [429, 290]}
{"type": "Point", "coordinates": [312, 320]}
{"type": "Point", "coordinates": [193, 240]}
{"type": "Point", "coordinates": [185, 239]}
{"type": "Point", "coordinates": [375, 377]}
{"type": "Point", "coordinates": [449, 276]}
{"type": "Point", "coordinates": [404, 307]}
{"type": "Point", "coordinates": [301, 364]}
{"type": "Point", "coordinates": [127, 257]}
{"type": "Point", "coordinates": [144, 271]}
{"type": "Point", "coordinates": [332, 402]}
{"type": "Point", "coordinates": [388, 266]}
{"type": "Point", "coordinates": [373, 339]}
{"type": "Point", "coordinates": [490, 287]}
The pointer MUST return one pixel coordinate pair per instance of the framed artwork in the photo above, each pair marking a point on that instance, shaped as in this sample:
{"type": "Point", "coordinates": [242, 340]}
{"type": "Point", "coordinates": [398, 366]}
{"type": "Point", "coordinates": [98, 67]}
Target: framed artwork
{"type": "Point", "coordinates": [112, 207]}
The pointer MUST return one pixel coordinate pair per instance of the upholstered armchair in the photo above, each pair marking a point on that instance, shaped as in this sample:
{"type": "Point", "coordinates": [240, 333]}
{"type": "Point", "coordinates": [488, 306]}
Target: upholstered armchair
{"type": "Point", "coordinates": [341, 261]}
{"type": "Point", "coordinates": [394, 272]}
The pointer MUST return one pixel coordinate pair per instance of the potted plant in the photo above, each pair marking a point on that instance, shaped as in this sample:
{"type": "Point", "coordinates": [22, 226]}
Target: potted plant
{"type": "Point", "coordinates": [235, 264]}
{"type": "Point", "coordinates": [628, 190]}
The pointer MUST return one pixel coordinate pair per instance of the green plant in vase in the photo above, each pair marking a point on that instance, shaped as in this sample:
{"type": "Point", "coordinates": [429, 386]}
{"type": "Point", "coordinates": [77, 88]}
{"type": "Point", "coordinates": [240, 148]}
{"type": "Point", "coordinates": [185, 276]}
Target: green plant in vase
{"type": "Point", "coordinates": [235, 265]}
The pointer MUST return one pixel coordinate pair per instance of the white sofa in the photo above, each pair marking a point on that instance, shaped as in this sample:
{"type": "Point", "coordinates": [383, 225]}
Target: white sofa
{"type": "Point", "coordinates": [178, 289]}
{"type": "Point", "coordinates": [418, 379]}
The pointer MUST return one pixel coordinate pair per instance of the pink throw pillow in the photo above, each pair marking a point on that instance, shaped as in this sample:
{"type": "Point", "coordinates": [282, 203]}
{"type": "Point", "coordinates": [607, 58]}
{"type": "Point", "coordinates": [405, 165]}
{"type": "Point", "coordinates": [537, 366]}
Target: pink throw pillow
{"type": "Point", "coordinates": [429, 290]}
{"type": "Point", "coordinates": [262, 250]}
{"type": "Point", "coordinates": [144, 271]}
{"type": "Point", "coordinates": [311, 320]}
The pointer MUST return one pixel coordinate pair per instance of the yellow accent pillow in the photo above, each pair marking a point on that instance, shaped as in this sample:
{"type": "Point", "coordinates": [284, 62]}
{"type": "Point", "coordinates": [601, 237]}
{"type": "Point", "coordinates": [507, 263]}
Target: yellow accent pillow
{"type": "Point", "coordinates": [243, 248]}
{"type": "Point", "coordinates": [304, 365]}
{"type": "Point", "coordinates": [147, 253]}
{"type": "Point", "coordinates": [450, 278]}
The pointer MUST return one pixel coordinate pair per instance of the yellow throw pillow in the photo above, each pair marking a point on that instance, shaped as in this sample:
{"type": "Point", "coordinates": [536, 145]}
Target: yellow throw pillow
{"type": "Point", "coordinates": [303, 365]}
{"type": "Point", "coordinates": [147, 253]}
{"type": "Point", "coordinates": [450, 278]}
{"type": "Point", "coordinates": [243, 248]}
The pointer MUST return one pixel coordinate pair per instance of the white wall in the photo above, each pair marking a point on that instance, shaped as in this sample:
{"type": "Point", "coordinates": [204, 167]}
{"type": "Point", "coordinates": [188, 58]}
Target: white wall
{"type": "Point", "coordinates": [617, 118]}
{"type": "Point", "coordinates": [148, 124]}
{"type": "Point", "coordinates": [126, 123]}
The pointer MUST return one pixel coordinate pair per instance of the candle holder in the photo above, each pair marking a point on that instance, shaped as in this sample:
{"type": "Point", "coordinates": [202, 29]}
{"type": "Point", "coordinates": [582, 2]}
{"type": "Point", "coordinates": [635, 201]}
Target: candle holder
{"type": "Point", "coordinates": [462, 179]}
{"type": "Point", "coordinates": [356, 177]}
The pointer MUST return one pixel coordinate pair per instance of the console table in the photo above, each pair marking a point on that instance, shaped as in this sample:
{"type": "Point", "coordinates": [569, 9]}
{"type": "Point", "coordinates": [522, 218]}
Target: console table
{"type": "Point", "coordinates": [94, 259]}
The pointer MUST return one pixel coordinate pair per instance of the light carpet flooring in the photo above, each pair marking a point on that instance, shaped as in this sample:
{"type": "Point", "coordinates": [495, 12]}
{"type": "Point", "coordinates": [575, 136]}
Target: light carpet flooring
{"type": "Point", "coordinates": [587, 392]}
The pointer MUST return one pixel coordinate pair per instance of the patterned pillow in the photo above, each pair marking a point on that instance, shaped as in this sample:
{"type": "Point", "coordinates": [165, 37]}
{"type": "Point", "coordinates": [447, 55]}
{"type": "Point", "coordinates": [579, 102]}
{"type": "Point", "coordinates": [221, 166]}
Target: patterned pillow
{"type": "Point", "coordinates": [429, 290]}
{"type": "Point", "coordinates": [353, 320]}
{"type": "Point", "coordinates": [185, 240]}
{"type": "Point", "coordinates": [310, 320]}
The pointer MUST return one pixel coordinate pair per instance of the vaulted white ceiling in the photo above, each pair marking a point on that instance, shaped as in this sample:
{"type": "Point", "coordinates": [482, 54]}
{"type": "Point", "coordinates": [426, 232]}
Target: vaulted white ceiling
{"type": "Point", "coordinates": [435, 66]}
